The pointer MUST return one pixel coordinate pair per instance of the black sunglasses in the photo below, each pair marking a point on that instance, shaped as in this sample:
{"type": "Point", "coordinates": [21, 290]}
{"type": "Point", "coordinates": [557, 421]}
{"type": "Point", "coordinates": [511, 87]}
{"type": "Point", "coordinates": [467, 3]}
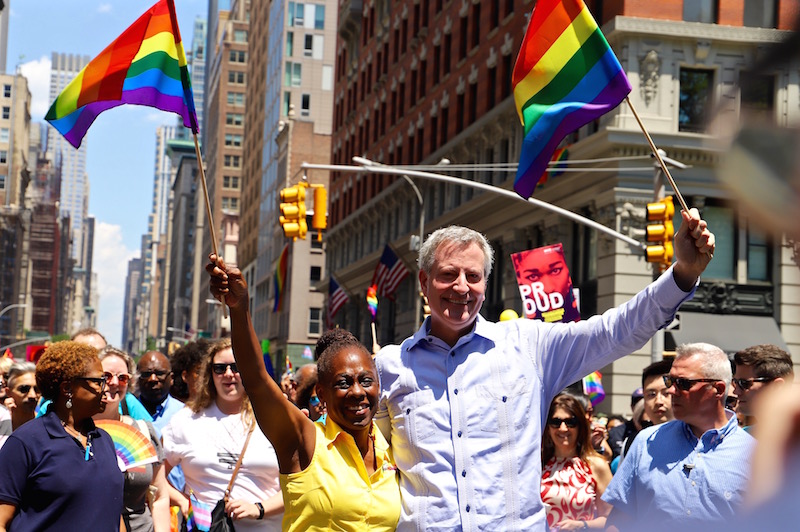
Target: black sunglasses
{"type": "Point", "coordinates": [570, 422]}
{"type": "Point", "coordinates": [100, 381]}
{"type": "Point", "coordinates": [731, 401]}
{"type": "Point", "coordinates": [746, 384]}
{"type": "Point", "coordinates": [684, 384]}
{"type": "Point", "coordinates": [25, 388]}
{"type": "Point", "coordinates": [160, 375]}
{"type": "Point", "coordinates": [220, 369]}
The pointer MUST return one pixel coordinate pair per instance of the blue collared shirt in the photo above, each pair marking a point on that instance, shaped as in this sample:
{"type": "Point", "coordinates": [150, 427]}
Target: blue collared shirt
{"type": "Point", "coordinates": [165, 411]}
{"type": "Point", "coordinates": [465, 423]}
{"type": "Point", "coordinates": [670, 477]}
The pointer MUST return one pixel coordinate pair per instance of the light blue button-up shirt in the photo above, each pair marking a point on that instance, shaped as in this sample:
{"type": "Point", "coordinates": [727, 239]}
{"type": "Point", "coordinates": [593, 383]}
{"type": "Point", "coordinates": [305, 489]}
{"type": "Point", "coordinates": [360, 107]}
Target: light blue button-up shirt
{"type": "Point", "coordinates": [670, 477]}
{"type": "Point", "coordinates": [465, 423]}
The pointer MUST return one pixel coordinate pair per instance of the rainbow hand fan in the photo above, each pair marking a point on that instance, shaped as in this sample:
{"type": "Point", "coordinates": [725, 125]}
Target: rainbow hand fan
{"type": "Point", "coordinates": [133, 448]}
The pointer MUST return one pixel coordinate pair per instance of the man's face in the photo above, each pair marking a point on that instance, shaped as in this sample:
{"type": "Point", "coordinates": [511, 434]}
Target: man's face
{"type": "Point", "coordinates": [155, 377]}
{"type": "Point", "coordinates": [455, 289]}
{"type": "Point", "coordinates": [25, 393]}
{"type": "Point", "coordinates": [657, 403]}
{"type": "Point", "coordinates": [547, 268]}
{"type": "Point", "coordinates": [748, 397]}
{"type": "Point", "coordinates": [697, 404]}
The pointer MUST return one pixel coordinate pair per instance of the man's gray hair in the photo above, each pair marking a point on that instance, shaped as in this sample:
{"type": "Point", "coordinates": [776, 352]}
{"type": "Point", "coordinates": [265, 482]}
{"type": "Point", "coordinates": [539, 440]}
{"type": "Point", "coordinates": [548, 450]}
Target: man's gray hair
{"type": "Point", "coordinates": [714, 363]}
{"type": "Point", "coordinates": [461, 236]}
{"type": "Point", "coordinates": [18, 369]}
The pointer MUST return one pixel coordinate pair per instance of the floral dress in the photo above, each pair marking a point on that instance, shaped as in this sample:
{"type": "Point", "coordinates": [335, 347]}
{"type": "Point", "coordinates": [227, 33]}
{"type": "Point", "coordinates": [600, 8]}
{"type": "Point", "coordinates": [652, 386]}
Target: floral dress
{"type": "Point", "coordinates": [569, 490]}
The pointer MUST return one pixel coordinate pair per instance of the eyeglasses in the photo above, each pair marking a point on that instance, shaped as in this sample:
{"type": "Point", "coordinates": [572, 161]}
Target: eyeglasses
{"type": "Point", "coordinates": [313, 401]}
{"type": "Point", "coordinates": [746, 384]}
{"type": "Point", "coordinates": [220, 369]}
{"type": "Point", "coordinates": [731, 401]}
{"type": "Point", "coordinates": [684, 384]}
{"type": "Point", "coordinates": [123, 378]}
{"type": "Point", "coordinates": [25, 388]}
{"type": "Point", "coordinates": [145, 375]}
{"type": "Point", "coordinates": [570, 422]}
{"type": "Point", "coordinates": [100, 381]}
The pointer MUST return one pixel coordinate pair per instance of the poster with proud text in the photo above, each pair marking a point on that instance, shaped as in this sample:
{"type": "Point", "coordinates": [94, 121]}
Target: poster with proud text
{"type": "Point", "coordinates": [545, 284]}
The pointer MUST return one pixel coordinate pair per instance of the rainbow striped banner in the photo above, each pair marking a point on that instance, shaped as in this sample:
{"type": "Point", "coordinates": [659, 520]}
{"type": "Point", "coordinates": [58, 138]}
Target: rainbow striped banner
{"type": "Point", "coordinates": [146, 65]}
{"type": "Point", "coordinates": [566, 75]}
{"type": "Point", "coordinates": [593, 387]}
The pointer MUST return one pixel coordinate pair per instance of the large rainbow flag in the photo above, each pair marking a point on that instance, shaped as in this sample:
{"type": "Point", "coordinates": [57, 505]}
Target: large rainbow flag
{"type": "Point", "coordinates": [566, 75]}
{"type": "Point", "coordinates": [146, 65]}
{"type": "Point", "coordinates": [281, 272]}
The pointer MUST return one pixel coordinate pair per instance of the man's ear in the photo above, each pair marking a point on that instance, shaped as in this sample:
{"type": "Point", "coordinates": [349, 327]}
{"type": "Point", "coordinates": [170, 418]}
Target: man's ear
{"type": "Point", "coordinates": [423, 282]}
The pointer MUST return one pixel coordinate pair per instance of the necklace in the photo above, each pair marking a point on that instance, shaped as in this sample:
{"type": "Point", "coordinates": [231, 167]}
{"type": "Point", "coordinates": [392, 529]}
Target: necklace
{"type": "Point", "coordinates": [77, 436]}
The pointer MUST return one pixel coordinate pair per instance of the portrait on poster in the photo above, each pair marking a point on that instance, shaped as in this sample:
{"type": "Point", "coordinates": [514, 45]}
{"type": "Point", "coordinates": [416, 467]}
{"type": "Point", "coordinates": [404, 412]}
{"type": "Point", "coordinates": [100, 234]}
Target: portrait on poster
{"type": "Point", "coordinates": [545, 284]}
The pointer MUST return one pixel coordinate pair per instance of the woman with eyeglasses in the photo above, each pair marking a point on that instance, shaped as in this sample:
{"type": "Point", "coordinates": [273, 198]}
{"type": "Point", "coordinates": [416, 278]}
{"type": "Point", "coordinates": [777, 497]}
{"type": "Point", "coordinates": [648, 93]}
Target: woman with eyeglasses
{"type": "Point", "coordinates": [574, 476]}
{"type": "Point", "coordinates": [336, 475]}
{"type": "Point", "coordinates": [207, 439]}
{"type": "Point", "coordinates": [22, 395]}
{"type": "Point", "coordinates": [146, 493]}
{"type": "Point", "coordinates": [59, 471]}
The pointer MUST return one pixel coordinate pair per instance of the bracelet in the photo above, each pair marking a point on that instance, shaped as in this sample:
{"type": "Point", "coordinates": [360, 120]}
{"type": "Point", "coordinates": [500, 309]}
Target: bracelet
{"type": "Point", "coordinates": [260, 511]}
{"type": "Point", "coordinates": [585, 525]}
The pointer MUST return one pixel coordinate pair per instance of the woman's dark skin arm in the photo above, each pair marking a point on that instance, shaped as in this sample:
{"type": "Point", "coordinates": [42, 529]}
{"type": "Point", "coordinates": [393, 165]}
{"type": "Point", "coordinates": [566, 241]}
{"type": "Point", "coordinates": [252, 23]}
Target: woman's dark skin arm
{"type": "Point", "coordinates": [291, 433]}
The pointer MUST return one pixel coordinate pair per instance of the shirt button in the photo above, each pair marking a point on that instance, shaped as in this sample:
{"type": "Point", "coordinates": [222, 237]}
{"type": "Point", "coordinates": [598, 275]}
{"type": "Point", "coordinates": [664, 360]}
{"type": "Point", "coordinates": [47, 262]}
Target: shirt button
{"type": "Point", "coordinates": [688, 512]}
{"type": "Point", "coordinates": [464, 473]}
{"type": "Point", "coordinates": [504, 398]}
{"type": "Point", "coordinates": [456, 391]}
{"type": "Point", "coordinates": [467, 508]}
{"type": "Point", "coordinates": [459, 433]}
{"type": "Point", "coordinates": [693, 483]}
{"type": "Point", "coordinates": [408, 411]}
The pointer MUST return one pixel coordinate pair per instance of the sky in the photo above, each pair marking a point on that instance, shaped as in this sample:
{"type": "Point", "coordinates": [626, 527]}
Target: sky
{"type": "Point", "coordinates": [121, 142]}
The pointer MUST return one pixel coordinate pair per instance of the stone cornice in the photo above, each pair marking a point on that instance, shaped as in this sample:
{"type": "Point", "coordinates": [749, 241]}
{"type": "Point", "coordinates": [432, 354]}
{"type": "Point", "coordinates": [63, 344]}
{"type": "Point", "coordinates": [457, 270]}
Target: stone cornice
{"type": "Point", "coordinates": [621, 26]}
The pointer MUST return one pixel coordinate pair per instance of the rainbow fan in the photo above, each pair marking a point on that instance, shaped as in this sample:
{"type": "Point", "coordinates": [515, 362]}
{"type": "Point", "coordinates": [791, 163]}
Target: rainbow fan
{"type": "Point", "coordinates": [133, 448]}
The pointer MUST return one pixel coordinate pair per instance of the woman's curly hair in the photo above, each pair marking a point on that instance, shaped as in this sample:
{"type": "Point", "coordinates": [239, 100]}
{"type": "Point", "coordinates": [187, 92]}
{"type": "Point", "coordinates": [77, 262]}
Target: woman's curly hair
{"type": "Point", "coordinates": [62, 362]}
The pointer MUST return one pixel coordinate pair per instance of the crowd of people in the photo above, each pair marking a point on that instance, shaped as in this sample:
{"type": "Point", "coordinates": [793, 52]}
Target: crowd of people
{"type": "Point", "coordinates": [466, 425]}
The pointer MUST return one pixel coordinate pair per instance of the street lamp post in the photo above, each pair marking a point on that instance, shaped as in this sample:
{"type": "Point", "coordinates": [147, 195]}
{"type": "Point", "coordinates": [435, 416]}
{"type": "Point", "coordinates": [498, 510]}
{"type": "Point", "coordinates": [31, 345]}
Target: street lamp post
{"type": "Point", "coordinates": [10, 307]}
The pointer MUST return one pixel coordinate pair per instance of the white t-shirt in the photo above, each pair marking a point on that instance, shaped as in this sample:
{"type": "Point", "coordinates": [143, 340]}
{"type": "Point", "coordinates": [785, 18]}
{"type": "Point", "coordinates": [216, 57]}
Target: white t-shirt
{"type": "Point", "coordinates": [5, 424]}
{"type": "Point", "coordinates": [207, 446]}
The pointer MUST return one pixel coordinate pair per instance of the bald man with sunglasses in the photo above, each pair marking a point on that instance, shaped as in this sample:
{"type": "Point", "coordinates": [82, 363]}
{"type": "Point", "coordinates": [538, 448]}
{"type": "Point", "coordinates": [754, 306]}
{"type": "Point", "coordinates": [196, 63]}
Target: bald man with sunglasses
{"type": "Point", "coordinates": [692, 471]}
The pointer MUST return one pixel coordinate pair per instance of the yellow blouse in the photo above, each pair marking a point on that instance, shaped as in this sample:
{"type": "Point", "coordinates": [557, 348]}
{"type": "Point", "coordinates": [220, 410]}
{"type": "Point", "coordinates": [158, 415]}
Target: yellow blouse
{"type": "Point", "coordinates": [335, 492]}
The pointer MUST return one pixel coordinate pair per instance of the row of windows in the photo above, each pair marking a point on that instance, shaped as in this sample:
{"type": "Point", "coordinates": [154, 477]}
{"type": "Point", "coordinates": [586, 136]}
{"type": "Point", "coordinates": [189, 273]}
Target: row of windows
{"type": "Point", "coordinates": [305, 104]}
{"type": "Point", "coordinates": [235, 98]}
{"type": "Point", "coordinates": [234, 119]}
{"type": "Point", "coordinates": [313, 45]}
{"type": "Point", "coordinates": [236, 77]}
{"type": "Point", "coordinates": [230, 204]}
{"type": "Point", "coordinates": [757, 13]}
{"type": "Point", "coordinates": [310, 16]}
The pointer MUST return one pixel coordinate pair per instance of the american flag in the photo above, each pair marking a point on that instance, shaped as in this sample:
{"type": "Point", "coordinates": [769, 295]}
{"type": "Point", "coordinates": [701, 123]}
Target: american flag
{"type": "Point", "coordinates": [337, 297]}
{"type": "Point", "coordinates": [389, 273]}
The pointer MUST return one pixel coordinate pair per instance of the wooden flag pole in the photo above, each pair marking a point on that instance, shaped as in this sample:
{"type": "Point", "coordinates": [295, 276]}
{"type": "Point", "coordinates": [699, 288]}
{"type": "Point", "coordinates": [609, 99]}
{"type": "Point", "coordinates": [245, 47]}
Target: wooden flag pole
{"type": "Point", "coordinates": [208, 209]}
{"type": "Point", "coordinates": [375, 345]}
{"type": "Point", "coordinates": [658, 156]}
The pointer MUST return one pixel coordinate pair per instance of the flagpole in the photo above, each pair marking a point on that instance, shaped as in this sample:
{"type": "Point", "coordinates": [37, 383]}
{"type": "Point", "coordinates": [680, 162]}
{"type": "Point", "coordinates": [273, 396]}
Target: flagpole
{"type": "Point", "coordinates": [208, 210]}
{"type": "Point", "coordinates": [658, 155]}
{"type": "Point", "coordinates": [375, 345]}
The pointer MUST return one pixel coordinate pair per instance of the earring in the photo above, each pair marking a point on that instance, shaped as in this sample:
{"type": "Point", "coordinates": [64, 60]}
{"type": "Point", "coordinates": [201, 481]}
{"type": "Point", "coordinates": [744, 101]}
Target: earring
{"type": "Point", "coordinates": [69, 402]}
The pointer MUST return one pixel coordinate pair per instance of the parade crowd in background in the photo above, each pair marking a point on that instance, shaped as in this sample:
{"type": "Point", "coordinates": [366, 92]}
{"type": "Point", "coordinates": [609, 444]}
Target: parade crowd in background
{"type": "Point", "coordinates": [466, 425]}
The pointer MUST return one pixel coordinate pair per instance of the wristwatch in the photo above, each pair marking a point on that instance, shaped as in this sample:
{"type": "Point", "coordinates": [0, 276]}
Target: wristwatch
{"type": "Point", "coordinates": [260, 511]}
{"type": "Point", "coordinates": [585, 525]}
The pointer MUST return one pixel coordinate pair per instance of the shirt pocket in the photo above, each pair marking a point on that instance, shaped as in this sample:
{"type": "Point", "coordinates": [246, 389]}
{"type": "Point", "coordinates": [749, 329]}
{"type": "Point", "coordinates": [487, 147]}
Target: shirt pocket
{"type": "Point", "coordinates": [416, 415]}
{"type": "Point", "coordinates": [509, 400]}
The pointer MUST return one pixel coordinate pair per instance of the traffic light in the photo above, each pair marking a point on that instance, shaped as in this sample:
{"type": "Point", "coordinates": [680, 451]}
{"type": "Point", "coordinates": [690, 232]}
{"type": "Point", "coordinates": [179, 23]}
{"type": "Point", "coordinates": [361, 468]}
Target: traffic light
{"type": "Point", "coordinates": [319, 220]}
{"type": "Point", "coordinates": [293, 212]}
{"type": "Point", "coordinates": [661, 232]}
{"type": "Point", "coordinates": [426, 308]}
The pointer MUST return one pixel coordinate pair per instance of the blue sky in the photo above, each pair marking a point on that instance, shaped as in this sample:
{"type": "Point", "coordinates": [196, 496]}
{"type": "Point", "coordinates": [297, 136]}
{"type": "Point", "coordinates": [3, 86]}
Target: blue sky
{"type": "Point", "coordinates": [121, 142]}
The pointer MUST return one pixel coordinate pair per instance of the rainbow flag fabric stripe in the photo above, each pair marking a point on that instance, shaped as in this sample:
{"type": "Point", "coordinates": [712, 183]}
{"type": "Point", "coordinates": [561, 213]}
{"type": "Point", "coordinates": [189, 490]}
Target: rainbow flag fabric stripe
{"type": "Point", "coordinates": [146, 65]}
{"type": "Point", "coordinates": [593, 387]}
{"type": "Point", "coordinates": [566, 75]}
{"type": "Point", "coordinates": [281, 272]}
{"type": "Point", "coordinates": [372, 300]}
{"type": "Point", "coordinates": [132, 447]}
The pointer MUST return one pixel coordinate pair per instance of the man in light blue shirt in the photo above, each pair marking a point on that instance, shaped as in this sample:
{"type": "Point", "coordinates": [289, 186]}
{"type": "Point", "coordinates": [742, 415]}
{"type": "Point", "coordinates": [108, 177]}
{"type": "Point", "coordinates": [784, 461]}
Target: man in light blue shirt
{"type": "Point", "coordinates": [464, 400]}
{"type": "Point", "coordinates": [690, 472]}
{"type": "Point", "coordinates": [155, 380]}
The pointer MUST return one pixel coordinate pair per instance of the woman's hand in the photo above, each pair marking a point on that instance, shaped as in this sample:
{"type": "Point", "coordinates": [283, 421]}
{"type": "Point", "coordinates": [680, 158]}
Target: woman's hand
{"type": "Point", "coordinates": [227, 283]}
{"type": "Point", "coordinates": [241, 509]}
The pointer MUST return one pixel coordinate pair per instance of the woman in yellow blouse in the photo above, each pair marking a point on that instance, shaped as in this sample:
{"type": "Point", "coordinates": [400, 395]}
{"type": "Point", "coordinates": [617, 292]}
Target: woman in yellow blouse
{"type": "Point", "coordinates": [339, 474]}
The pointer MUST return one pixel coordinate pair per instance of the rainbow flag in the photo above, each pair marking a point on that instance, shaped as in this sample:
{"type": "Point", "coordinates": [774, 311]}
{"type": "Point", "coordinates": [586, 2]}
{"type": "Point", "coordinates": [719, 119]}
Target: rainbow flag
{"type": "Point", "coordinates": [372, 300]}
{"type": "Point", "coordinates": [593, 387]}
{"type": "Point", "coordinates": [199, 517]}
{"type": "Point", "coordinates": [281, 271]}
{"type": "Point", "coordinates": [566, 75]}
{"type": "Point", "coordinates": [146, 65]}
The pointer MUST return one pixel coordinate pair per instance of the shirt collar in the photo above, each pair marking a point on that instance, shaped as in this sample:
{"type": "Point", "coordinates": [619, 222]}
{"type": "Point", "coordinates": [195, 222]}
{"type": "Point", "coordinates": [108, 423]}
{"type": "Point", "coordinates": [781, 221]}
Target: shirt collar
{"type": "Point", "coordinates": [713, 437]}
{"type": "Point", "coordinates": [480, 327]}
{"type": "Point", "coordinates": [333, 431]}
{"type": "Point", "coordinates": [54, 427]}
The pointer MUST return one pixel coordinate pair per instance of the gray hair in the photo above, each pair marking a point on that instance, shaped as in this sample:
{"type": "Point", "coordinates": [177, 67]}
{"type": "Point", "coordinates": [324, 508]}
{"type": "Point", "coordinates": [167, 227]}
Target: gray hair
{"type": "Point", "coordinates": [462, 237]}
{"type": "Point", "coordinates": [714, 363]}
{"type": "Point", "coordinates": [19, 369]}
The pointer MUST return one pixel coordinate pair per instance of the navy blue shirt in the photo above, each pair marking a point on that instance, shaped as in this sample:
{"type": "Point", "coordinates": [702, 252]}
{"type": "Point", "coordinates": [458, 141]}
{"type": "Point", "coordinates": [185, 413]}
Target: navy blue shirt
{"type": "Point", "coordinates": [47, 477]}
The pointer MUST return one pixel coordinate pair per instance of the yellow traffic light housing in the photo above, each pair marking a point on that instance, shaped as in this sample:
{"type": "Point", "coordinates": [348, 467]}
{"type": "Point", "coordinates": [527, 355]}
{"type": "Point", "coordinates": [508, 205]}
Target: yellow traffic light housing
{"type": "Point", "coordinates": [293, 212]}
{"type": "Point", "coordinates": [661, 232]}
{"type": "Point", "coordinates": [319, 220]}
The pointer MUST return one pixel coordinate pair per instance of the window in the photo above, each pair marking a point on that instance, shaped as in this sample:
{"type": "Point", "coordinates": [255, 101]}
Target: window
{"type": "Point", "coordinates": [232, 140]}
{"type": "Point", "coordinates": [294, 74]}
{"type": "Point", "coordinates": [308, 46]}
{"type": "Point", "coordinates": [296, 13]}
{"type": "Point", "coordinates": [700, 11]}
{"type": "Point", "coordinates": [239, 35]}
{"type": "Point", "coordinates": [4, 134]}
{"type": "Point", "coordinates": [2, 182]}
{"type": "Point", "coordinates": [758, 95]}
{"type": "Point", "coordinates": [236, 77]}
{"type": "Point", "coordinates": [234, 119]}
{"type": "Point", "coordinates": [316, 274]}
{"type": "Point", "coordinates": [3, 156]}
{"type": "Point", "coordinates": [6, 112]}
{"type": "Point", "coordinates": [6, 91]}
{"type": "Point", "coordinates": [237, 56]}
{"type": "Point", "coordinates": [305, 105]}
{"type": "Point", "coordinates": [319, 18]}
{"type": "Point", "coordinates": [722, 220]}
{"type": "Point", "coordinates": [232, 161]}
{"type": "Point", "coordinates": [230, 204]}
{"type": "Point", "coordinates": [757, 256]}
{"type": "Point", "coordinates": [289, 43]}
{"type": "Point", "coordinates": [695, 98]}
{"type": "Point", "coordinates": [235, 98]}
{"type": "Point", "coordinates": [760, 13]}
{"type": "Point", "coordinates": [287, 101]}
{"type": "Point", "coordinates": [314, 321]}
{"type": "Point", "coordinates": [230, 182]}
